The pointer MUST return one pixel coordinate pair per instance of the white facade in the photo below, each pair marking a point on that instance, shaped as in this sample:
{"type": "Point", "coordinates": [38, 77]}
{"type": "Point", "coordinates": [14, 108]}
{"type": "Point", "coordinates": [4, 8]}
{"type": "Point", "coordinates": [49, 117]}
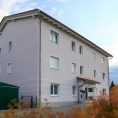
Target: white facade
{"type": "Point", "coordinates": [44, 63]}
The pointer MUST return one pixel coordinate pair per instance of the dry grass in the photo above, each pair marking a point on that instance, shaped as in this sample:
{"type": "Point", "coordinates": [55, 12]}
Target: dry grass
{"type": "Point", "coordinates": [103, 107]}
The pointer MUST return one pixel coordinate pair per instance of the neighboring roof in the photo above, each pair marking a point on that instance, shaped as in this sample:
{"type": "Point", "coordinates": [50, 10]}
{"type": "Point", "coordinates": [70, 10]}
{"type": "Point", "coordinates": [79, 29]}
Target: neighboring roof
{"type": "Point", "coordinates": [5, 85]}
{"type": "Point", "coordinates": [44, 16]}
{"type": "Point", "coordinates": [87, 81]}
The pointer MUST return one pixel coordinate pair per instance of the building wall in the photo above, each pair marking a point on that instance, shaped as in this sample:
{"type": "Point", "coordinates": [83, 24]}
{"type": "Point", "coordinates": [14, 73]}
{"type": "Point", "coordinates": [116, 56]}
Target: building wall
{"type": "Point", "coordinates": [64, 77]}
{"type": "Point", "coordinates": [24, 56]}
{"type": "Point", "coordinates": [25, 37]}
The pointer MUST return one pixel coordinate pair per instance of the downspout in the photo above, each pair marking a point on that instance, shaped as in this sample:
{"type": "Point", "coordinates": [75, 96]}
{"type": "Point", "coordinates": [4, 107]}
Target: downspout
{"type": "Point", "coordinates": [39, 17]}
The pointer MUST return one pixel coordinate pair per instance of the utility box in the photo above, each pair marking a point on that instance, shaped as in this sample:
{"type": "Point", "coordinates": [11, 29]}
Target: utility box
{"type": "Point", "coordinates": [7, 93]}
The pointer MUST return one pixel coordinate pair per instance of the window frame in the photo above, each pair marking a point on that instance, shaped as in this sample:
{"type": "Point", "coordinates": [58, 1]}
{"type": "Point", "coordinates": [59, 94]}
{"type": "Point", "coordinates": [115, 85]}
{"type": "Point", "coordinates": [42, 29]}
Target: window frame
{"type": "Point", "coordinates": [54, 34]}
{"type": "Point", "coordinates": [94, 56]}
{"type": "Point", "coordinates": [52, 89]}
{"type": "Point", "coordinates": [73, 46]}
{"type": "Point", "coordinates": [90, 89]}
{"type": "Point", "coordinates": [73, 68]}
{"type": "Point", "coordinates": [81, 49]}
{"type": "Point", "coordinates": [57, 64]}
{"type": "Point", "coordinates": [81, 70]}
{"type": "Point", "coordinates": [9, 68]}
{"type": "Point", "coordinates": [10, 46]}
{"type": "Point", "coordinates": [95, 73]}
{"type": "Point", "coordinates": [102, 60]}
{"type": "Point", "coordinates": [103, 76]}
{"type": "Point", "coordinates": [0, 52]}
{"type": "Point", "coordinates": [74, 90]}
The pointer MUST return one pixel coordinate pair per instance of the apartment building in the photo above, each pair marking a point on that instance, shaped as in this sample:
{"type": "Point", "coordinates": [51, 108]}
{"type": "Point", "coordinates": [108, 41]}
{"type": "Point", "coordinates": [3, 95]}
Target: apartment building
{"type": "Point", "coordinates": [48, 60]}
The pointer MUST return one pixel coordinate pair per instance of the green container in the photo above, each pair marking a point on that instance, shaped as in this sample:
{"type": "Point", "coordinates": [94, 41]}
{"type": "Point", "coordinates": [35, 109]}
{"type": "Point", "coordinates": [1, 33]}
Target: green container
{"type": "Point", "coordinates": [7, 93]}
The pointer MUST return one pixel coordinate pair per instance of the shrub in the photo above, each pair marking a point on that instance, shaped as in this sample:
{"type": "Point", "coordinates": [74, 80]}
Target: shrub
{"type": "Point", "coordinates": [102, 107]}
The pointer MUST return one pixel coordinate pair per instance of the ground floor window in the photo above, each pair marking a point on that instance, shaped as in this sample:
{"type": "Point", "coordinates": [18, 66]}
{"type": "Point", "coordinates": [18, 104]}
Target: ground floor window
{"type": "Point", "coordinates": [54, 89]}
{"type": "Point", "coordinates": [73, 90]}
{"type": "Point", "coordinates": [90, 89]}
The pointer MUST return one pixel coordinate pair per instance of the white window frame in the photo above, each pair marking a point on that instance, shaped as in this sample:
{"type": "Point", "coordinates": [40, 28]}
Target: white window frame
{"type": "Point", "coordinates": [94, 56]}
{"type": "Point", "coordinates": [54, 37]}
{"type": "Point", "coordinates": [74, 68]}
{"type": "Point", "coordinates": [0, 52]}
{"type": "Point", "coordinates": [103, 76]}
{"type": "Point", "coordinates": [81, 70]}
{"type": "Point", "coordinates": [95, 73]}
{"type": "Point", "coordinates": [73, 45]}
{"type": "Point", "coordinates": [102, 60]}
{"type": "Point", "coordinates": [9, 68]}
{"type": "Point", "coordinates": [54, 62]}
{"type": "Point", "coordinates": [81, 49]}
{"type": "Point", "coordinates": [10, 46]}
{"type": "Point", "coordinates": [74, 90]}
{"type": "Point", "coordinates": [52, 90]}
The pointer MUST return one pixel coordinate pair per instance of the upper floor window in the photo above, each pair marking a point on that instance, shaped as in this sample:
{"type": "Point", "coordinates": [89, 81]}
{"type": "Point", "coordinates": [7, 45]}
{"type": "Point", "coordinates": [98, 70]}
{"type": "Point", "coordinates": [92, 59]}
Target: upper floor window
{"type": "Point", "coordinates": [102, 60]}
{"type": "Point", "coordinates": [54, 89]}
{"type": "Point", "coordinates": [81, 70]}
{"type": "Point", "coordinates": [73, 68]}
{"type": "Point", "coordinates": [81, 49]}
{"type": "Point", "coordinates": [54, 62]}
{"type": "Point", "coordinates": [94, 73]}
{"type": "Point", "coordinates": [0, 52]}
{"type": "Point", "coordinates": [9, 68]}
{"type": "Point", "coordinates": [74, 90]}
{"type": "Point", "coordinates": [73, 46]}
{"type": "Point", "coordinates": [54, 37]}
{"type": "Point", "coordinates": [103, 75]}
{"type": "Point", "coordinates": [94, 56]}
{"type": "Point", "coordinates": [10, 46]}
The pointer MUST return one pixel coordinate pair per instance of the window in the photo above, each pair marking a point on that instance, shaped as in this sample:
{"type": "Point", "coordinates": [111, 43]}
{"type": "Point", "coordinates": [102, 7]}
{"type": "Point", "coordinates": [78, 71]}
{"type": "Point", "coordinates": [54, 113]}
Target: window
{"type": "Point", "coordinates": [81, 70]}
{"type": "Point", "coordinates": [54, 62]}
{"type": "Point", "coordinates": [103, 75]}
{"type": "Point", "coordinates": [74, 90]}
{"type": "Point", "coordinates": [90, 89]}
{"type": "Point", "coordinates": [81, 49]}
{"type": "Point", "coordinates": [10, 46]}
{"type": "Point", "coordinates": [54, 89]}
{"type": "Point", "coordinates": [102, 60]}
{"type": "Point", "coordinates": [0, 52]}
{"type": "Point", "coordinates": [9, 68]}
{"type": "Point", "coordinates": [94, 56]}
{"type": "Point", "coordinates": [73, 68]}
{"type": "Point", "coordinates": [104, 91]}
{"type": "Point", "coordinates": [0, 69]}
{"type": "Point", "coordinates": [94, 73]}
{"type": "Point", "coordinates": [54, 37]}
{"type": "Point", "coordinates": [73, 46]}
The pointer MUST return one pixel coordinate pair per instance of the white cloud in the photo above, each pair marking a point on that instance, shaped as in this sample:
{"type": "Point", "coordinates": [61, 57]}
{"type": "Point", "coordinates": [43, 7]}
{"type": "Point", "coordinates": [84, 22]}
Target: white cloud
{"type": "Point", "coordinates": [6, 6]}
{"type": "Point", "coordinates": [57, 11]}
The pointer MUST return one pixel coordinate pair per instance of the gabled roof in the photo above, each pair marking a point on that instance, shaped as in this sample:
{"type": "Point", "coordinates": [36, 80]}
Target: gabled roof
{"type": "Point", "coordinates": [46, 17]}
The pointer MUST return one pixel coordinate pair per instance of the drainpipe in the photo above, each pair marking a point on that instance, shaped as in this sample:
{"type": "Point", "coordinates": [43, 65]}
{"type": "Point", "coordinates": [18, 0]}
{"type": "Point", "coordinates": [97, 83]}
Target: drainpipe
{"type": "Point", "coordinates": [39, 97]}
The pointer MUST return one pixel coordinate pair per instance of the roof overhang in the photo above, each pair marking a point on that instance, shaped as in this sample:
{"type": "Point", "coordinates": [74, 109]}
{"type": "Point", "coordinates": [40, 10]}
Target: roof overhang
{"type": "Point", "coordinates": [46, 17]}
{"type": "Point", "coordinates": [87, 81]}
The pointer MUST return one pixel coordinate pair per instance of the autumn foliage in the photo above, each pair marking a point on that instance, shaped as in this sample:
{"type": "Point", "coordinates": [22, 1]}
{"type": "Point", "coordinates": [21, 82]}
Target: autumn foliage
{"type": "Point", "coordinates": [102, 107]}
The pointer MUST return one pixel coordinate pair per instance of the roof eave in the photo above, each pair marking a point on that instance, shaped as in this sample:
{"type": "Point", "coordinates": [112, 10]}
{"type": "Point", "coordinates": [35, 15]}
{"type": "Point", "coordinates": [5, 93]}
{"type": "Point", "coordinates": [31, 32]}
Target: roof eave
{"type": "Point", "coordinates": [50, 19]}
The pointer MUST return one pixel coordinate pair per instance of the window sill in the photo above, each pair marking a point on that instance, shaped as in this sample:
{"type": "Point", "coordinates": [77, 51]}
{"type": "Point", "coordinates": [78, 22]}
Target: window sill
{"type": "Point", "coordinates": [74, 95]}
{"type": "Point", "coordinates": [54, 68]}
{"type": "Point", "coordinates": [54, 95]}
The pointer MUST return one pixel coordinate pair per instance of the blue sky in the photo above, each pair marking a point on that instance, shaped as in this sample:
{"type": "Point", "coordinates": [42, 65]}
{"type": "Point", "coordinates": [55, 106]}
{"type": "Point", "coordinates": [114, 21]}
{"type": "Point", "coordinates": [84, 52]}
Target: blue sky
{"type": "Point", "coordinates": [96, 20]}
